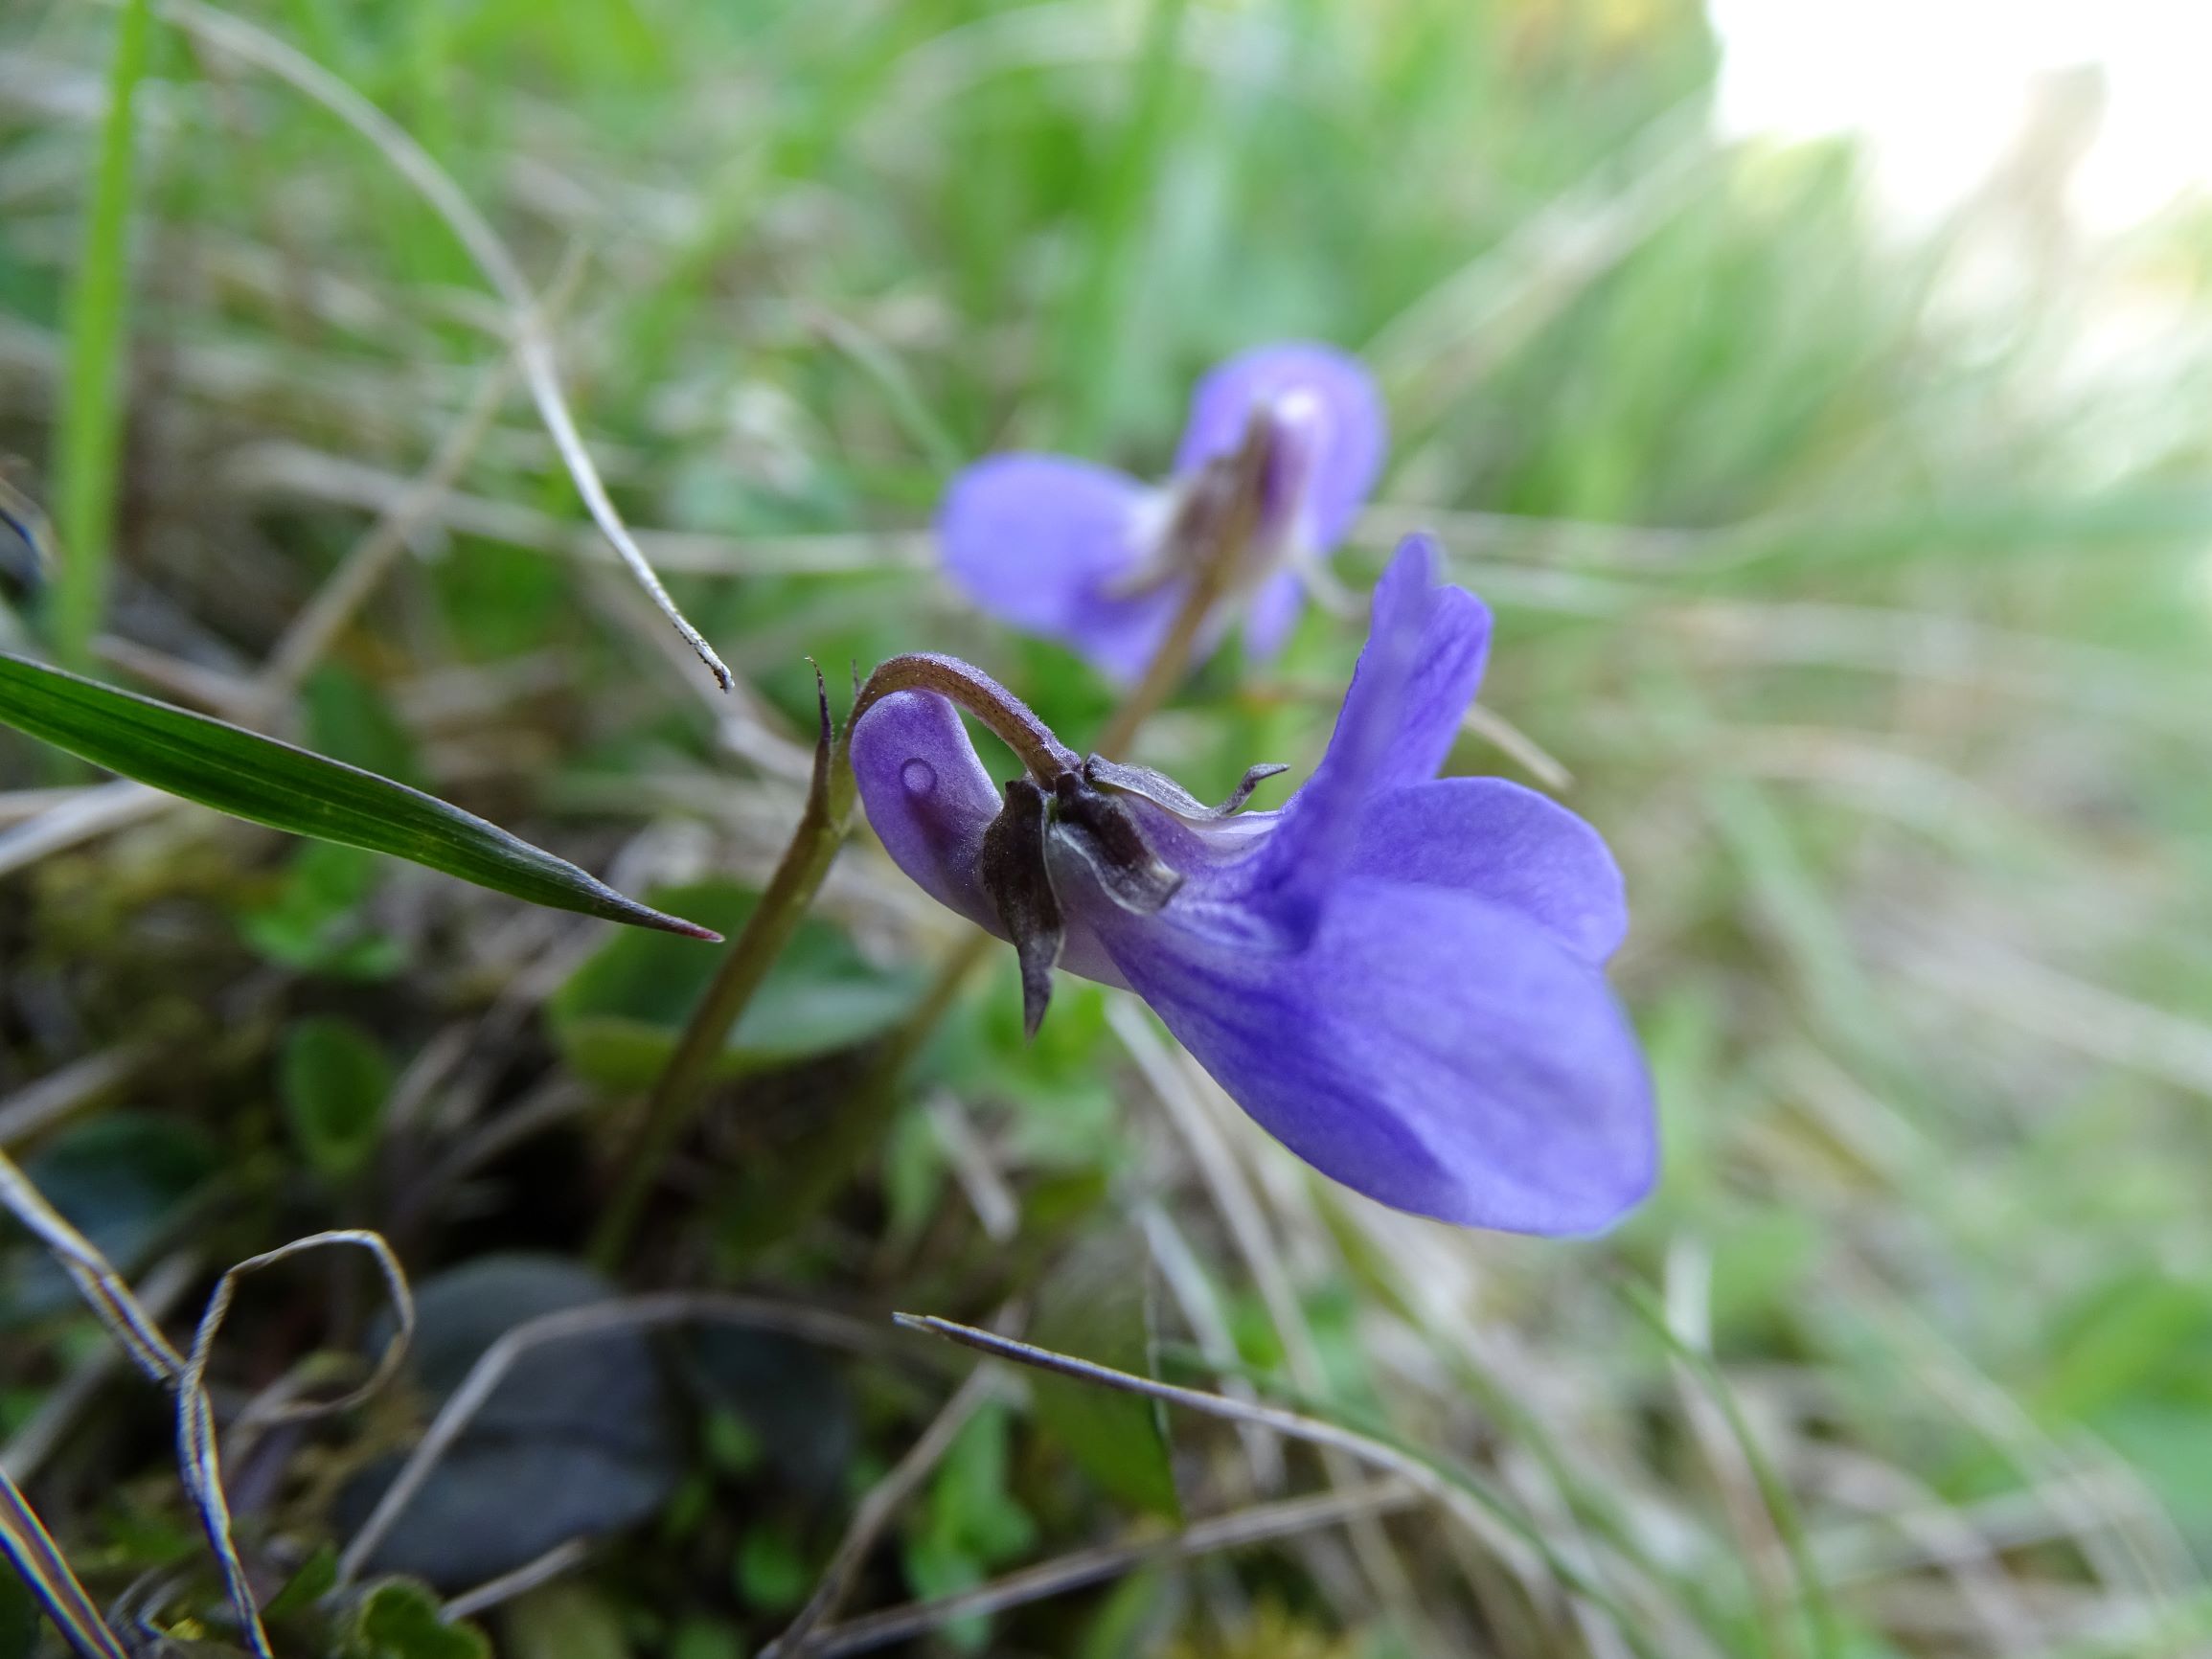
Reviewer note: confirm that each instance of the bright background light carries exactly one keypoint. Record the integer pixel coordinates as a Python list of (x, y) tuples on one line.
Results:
[(1940, 88)]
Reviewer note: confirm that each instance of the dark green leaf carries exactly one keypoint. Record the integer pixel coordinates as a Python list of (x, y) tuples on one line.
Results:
[(257, 778), (336, 1081), (578, 1439), (1095, 1303), (124, 1181)]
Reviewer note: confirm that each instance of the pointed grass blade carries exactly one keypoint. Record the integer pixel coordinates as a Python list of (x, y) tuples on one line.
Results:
[(257, 777)]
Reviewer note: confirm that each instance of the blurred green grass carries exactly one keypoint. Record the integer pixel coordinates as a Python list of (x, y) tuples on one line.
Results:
[(1863, 593)]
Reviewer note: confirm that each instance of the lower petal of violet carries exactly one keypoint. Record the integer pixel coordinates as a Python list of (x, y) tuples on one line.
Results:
[(1050, 545), (1440, 1054)]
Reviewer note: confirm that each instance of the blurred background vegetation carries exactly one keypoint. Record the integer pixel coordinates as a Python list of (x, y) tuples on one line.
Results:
[(1855, 584)]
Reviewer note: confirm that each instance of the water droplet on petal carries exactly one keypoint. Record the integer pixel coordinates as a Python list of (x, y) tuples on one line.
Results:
[(918, 776)]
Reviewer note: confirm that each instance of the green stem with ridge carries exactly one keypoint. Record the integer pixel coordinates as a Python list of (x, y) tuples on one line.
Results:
[(681, 1086)]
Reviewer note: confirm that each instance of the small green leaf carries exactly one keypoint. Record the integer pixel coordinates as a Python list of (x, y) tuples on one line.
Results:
[(317, 1576), (401, 1619), (564, 1622), (336, 1081), (318, 920), (770, 1571), (1095, 1305), (618, 1019), (257, 778)]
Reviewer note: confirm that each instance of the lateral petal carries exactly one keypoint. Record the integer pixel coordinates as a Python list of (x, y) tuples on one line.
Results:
[(1501, 842), (1044, 543)]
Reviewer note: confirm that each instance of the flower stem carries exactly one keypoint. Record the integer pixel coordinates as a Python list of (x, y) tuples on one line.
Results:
[(681, 1086), (1227, 532)]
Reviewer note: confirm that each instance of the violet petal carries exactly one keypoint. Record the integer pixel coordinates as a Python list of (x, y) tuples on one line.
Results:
[(1438, 1053), (1353, 428), (1424, 660), (1046, 543), (931, 802), (1511, 846)]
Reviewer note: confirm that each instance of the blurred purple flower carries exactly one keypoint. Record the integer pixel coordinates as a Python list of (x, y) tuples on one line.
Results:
[(1089, 556), (1399, 976)]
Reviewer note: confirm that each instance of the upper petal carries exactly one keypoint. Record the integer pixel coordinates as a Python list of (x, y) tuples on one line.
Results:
[(1040, 541), (1419, 671), (1439, 1053), (1501, 842), (1351, 430)]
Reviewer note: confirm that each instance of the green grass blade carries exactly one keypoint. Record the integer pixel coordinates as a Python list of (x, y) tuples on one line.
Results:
[(257, 777), (91, 436)]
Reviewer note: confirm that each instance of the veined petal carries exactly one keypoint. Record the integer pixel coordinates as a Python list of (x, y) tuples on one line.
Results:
[(931, 802), (1047, 543), (1350, 429), (1424, 660), (1503, 843), (1439, 1053)]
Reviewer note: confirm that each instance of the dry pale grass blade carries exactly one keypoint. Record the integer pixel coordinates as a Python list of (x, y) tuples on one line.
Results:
[(1945, 649), (157, 1295), (562, 1558), (2056, 1008), (311, 633), (101, 1285), (1460, 1494), (567, 1325), (876, 1511), (39, 1562), (533, 345), (198, 1451), (40, 1105), (1501, 734), (1263, 1523), (1179, 1090), (1581, 542), (86, 814), (281, 469), (1453, 336)]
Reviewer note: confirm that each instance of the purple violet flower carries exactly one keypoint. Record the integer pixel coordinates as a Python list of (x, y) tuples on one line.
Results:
[(1399, 976), (1081, 553)]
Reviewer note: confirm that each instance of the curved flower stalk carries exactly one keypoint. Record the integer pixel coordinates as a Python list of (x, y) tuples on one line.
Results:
[(1399, 976), (1081, 553)]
